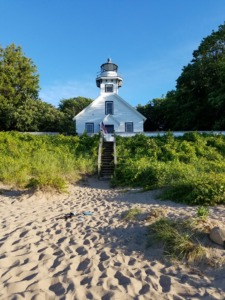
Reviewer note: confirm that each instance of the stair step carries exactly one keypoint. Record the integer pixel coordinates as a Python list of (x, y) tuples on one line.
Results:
[(107, 161)]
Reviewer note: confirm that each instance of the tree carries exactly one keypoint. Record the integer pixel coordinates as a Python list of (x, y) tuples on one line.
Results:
[(36, 115), (19, 83), (153, 115), (201, 86), (71, 107), (198, 103)]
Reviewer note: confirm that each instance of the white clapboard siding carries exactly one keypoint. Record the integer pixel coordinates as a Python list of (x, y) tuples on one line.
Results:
[(123, 112)]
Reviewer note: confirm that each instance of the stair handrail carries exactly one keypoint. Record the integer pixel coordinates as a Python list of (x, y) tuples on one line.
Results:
[(100, 154), (114, 150)]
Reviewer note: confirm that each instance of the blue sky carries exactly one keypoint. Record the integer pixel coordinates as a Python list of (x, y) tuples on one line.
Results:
[(68, 40)]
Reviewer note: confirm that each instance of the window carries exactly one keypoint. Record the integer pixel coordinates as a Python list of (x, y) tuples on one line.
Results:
[(129, 127), (109, 88), (109, 107), (89, 127)]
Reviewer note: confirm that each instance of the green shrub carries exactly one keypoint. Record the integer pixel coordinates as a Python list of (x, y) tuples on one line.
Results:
[(46, 182), (206, 189), (41, 161), (192, 167)]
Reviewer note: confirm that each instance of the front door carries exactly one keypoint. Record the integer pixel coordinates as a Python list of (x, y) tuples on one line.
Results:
[(109, 128)]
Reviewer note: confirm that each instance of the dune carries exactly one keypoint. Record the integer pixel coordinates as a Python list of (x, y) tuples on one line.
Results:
[(96, 255)]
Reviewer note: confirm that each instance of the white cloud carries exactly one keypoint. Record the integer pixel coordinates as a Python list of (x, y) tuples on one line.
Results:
[(59, 90)]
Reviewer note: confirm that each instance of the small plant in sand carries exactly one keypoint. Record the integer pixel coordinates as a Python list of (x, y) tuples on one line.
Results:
[(202, 212), (156, 213), (132, 214), (179, 238)]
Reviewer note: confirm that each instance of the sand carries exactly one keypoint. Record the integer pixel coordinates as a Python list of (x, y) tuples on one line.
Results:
[(44, 256)]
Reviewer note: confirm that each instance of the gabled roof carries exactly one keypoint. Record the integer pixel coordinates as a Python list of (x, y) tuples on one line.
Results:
[(106, 96), (86, 108), (110, 117), (131, 107)]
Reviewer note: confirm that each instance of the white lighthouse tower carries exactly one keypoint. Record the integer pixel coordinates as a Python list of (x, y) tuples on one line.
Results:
[(108, 79)]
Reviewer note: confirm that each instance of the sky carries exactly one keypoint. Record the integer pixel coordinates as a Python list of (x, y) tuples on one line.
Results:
[(68, 40)]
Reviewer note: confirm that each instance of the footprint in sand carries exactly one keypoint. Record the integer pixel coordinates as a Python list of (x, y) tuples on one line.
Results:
[(86, 242), (131, 261), (30, 277), (83, 265), (61, 240), (23, 233), (57, 288), (81, 250), (122, 279), (101, 267), (86, 280), (165, 282), (104, 256), (145, 289)]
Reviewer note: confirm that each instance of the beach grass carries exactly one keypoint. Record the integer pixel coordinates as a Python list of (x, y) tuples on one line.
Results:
[(179, 237), (132, 214)]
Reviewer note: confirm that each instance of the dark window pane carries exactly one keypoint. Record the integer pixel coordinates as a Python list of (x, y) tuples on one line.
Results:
[(90, 127), (109, 107), (109, 88), (129, 127)]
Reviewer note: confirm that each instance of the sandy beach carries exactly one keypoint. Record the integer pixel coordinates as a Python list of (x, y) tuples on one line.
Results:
[(97, 256)]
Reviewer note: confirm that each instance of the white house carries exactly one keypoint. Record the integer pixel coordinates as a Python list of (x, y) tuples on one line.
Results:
[(109, 111)]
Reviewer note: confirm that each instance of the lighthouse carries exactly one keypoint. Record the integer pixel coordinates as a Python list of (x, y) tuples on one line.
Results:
[(109, 111), (108, 79)]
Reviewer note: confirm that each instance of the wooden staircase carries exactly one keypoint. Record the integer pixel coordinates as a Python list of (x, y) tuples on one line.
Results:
[(107, 160)]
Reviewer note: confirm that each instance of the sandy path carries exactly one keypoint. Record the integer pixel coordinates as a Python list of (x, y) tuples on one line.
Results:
[(44, 256)]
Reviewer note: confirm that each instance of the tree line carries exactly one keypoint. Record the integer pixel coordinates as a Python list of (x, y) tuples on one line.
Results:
[(197, 102)]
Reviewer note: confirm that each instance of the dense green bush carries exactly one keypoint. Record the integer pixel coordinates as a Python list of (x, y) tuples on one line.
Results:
[(43, 161), (191, 167), (204, 189)]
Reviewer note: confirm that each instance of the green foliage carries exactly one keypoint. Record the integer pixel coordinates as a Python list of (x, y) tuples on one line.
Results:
[(36, 115), (46, 182), (132, 214), (179, 238), (70, 108), (19, 83), (204, 189), (46, 161), (191, 168), (154, 120), (202, 212), (20, 108)]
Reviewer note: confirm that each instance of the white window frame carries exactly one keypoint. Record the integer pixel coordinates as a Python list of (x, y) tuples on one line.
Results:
[(127, 124), (92, 127), (109, 110), (109, 88)]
